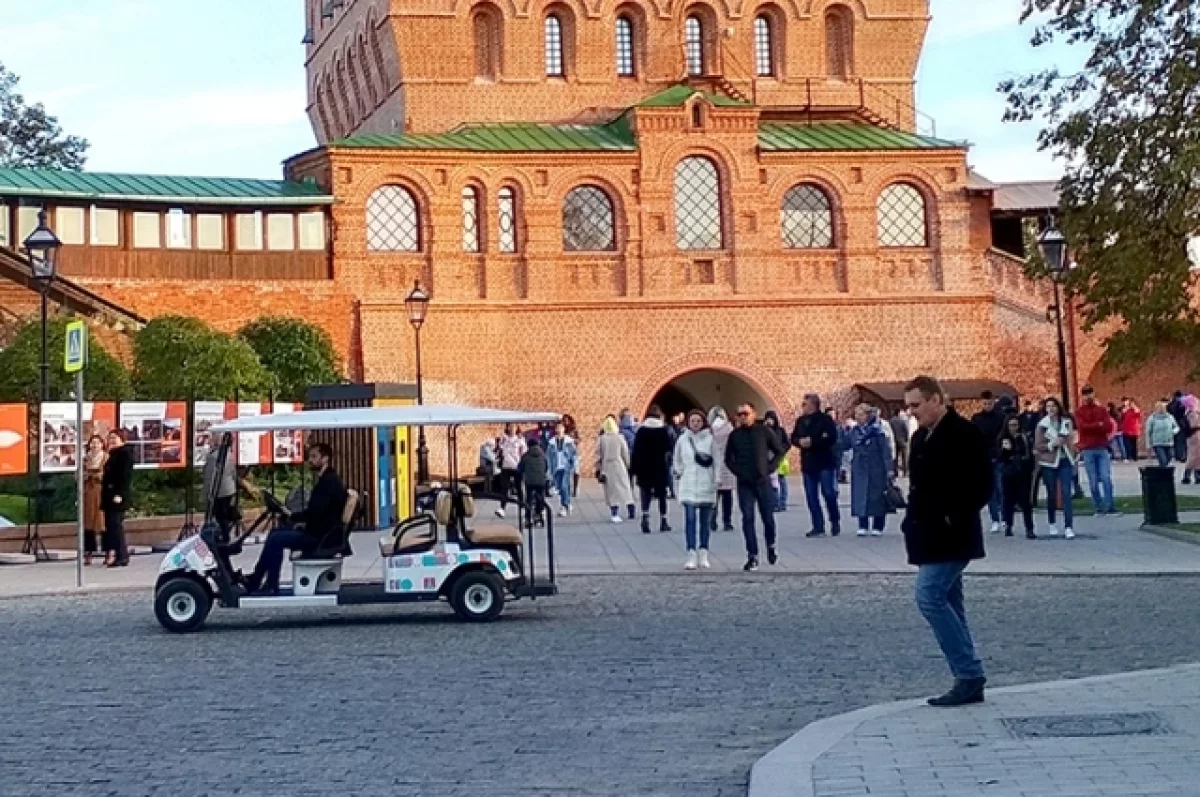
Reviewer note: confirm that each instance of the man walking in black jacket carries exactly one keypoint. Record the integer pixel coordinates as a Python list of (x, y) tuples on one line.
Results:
[(991, 422), (951, 480), (651, 449), (816, 435), (752, 455)]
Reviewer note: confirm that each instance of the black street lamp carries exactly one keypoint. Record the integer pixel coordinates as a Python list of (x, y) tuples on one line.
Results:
[(42, 247), (417, 305), (1053, 245)]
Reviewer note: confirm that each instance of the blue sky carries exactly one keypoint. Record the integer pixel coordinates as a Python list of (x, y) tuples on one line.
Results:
[(216, 87)]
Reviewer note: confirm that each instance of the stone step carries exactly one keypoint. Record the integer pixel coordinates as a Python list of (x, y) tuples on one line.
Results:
[(60, 555), (17, 559)]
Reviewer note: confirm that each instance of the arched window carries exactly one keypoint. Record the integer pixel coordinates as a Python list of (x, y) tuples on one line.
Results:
[(487, 42), (839, 42), (377, 54), (337, 127), (693, 45), (555, 63), (764, 47), (506, 219), (356, 85), (345, 101), (901, 216), (626, 60), (471, 240), (364, 62), (393, 221), (807, 219), (589, 224), (322, 110), (698, 205)]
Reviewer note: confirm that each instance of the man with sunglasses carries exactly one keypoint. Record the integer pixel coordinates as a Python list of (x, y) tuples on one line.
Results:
[(752, 455)]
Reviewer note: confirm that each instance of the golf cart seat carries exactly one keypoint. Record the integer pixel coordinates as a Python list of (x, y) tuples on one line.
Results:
[(412, 535), (319, 571), (486, 535)]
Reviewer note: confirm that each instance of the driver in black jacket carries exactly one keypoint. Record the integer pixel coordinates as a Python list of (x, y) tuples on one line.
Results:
[(321, 518)]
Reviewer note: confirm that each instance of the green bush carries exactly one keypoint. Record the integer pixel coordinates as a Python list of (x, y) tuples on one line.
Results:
[(177, 357), (20, 379), (298, 354)]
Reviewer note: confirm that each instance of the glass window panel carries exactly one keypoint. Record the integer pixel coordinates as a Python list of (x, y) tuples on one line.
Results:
[(393, 224), (554, 47), (693, 36), (901, 217), (179, 229), (470, 219), (588, 221), (807, 218), (763, 56), (698, 205), (506, 203), (625, 59), (312, 231), (106, 226), (147, 231), (210, 231), (4, 211), (27, 222), (249, 231), (68, 225), (281, 232)]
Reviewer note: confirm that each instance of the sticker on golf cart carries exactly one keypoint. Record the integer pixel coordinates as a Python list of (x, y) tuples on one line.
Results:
[(425, 572)]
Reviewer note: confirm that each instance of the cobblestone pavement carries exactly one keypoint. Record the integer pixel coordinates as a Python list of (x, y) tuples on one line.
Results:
[(621, 686)]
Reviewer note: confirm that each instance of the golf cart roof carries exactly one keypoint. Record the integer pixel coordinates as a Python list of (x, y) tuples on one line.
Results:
[(378, 417)]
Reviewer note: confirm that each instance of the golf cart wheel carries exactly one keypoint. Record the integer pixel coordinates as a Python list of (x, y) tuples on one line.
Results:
[(478, 596), (182, 605)]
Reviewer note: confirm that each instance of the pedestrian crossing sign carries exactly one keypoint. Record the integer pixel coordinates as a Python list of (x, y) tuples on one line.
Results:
[(75, 355)]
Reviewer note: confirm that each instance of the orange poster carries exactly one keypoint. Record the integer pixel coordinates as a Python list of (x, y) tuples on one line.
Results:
[(61, 436), (14, 439)]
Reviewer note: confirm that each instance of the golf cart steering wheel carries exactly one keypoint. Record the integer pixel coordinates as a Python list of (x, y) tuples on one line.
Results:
[(273, 505)]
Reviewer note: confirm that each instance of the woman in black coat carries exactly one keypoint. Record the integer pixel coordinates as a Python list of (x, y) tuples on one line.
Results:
[(115, 496)]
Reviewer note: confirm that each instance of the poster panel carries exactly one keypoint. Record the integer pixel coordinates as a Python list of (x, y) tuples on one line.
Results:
[(60, 438), (205, 415), (154, 432), (288, 446), (14, 439), (254, 448)]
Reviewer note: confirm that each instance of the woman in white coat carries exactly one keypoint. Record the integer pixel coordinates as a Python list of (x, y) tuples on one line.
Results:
[(718, 421), (612, 469), (696, 466)]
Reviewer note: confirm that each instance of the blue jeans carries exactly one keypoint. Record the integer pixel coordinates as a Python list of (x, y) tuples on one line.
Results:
[(691, 514), (1062, 476), (1098, 463), (996, 502), (816, 485), (562, 483), (270, 561), (1163, 455), (781, 495), (940, 598)]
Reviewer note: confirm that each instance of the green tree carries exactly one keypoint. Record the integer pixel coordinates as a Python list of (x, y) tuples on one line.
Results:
[(298, 354), (29, 137), (178, 357), (1127, 126), (20, 378)]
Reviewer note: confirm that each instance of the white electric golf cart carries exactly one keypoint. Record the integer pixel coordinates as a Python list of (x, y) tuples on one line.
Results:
[(440, 553)]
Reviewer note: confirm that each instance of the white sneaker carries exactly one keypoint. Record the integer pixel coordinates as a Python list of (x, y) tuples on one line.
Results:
[(995, 527), (704, 563), (615, 519), (563, 512), (500, 513), (1069, 533), (691, 561), (862, 532), (571, 510), (1052, 531), (876, 533)]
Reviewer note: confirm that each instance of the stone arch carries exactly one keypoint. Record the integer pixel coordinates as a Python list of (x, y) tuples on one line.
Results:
[(487, 39), (814, 7), (375, 177), (765, 383), (510, 10), (726, 159), (839, 38)]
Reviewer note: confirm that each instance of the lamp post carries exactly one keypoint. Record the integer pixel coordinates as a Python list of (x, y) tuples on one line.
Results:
[(1053, 245), (42, 247), (417, 304)]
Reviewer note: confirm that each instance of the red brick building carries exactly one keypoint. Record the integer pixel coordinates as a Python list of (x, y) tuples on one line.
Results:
[(609, 201)]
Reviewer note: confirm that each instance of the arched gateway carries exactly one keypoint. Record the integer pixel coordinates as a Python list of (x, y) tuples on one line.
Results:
[(703, 381)]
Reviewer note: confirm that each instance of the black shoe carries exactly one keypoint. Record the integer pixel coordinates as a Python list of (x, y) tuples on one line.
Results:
[(1008, 531), (727, 527), (964, 692), (632, 515), (645, 525), (751, 565), (1187, 480), (1029, 535), (835, 530), (815, 533), (664, 525), (772, 557)]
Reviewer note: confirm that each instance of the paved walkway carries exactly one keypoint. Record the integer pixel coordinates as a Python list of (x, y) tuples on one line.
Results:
[(587, 543), (1129, 735)]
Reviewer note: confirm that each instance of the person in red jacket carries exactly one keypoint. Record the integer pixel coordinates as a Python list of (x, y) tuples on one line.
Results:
[(1095, 427), (1131, 427)]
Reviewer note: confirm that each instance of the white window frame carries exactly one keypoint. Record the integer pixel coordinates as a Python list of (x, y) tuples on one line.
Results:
[(4, 222), (141, 228), (69, 225), (281, 232), (104, 220), (27, 221), (179, 229), (206, 224), (311, 236), (256, 232)]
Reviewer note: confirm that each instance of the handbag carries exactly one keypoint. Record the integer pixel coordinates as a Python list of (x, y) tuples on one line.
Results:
[(600, 477), (893, 496), (703, 460)]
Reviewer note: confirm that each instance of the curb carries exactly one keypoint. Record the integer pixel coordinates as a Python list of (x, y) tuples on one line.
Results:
[(787, 770), (69, 592), (1173, 534)]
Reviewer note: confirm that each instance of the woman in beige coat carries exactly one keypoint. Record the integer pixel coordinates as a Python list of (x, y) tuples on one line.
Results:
[(612, 469), (93, 518)]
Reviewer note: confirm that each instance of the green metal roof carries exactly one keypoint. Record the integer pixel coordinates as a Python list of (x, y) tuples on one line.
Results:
[(678, 95), (827, 136), (615, 136), (60, 184)]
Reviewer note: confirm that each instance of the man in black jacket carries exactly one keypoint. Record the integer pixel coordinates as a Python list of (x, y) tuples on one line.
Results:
[(816, 435), (322, 517), (991, 422), (648, 460), (951, 481), (752, 455), (115, 489)]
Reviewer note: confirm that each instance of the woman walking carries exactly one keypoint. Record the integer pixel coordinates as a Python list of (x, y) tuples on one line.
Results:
[(1016, 475), (718, 421), (612, 469), (115, 488), (93, 516), (1054, 447), (1161, 428), (695, 466), (1192, 466), (871, 471)]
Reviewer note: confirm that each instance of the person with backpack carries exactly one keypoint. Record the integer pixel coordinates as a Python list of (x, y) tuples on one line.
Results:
[(535, 476)]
